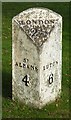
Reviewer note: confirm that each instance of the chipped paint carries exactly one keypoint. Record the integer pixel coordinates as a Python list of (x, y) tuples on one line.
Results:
[(36, 56)]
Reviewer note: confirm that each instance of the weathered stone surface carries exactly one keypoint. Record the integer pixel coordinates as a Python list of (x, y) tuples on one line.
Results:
[(36, 56)]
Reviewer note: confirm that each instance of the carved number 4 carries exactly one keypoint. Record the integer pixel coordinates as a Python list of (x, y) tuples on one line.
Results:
[(26, 80), (51, 78)]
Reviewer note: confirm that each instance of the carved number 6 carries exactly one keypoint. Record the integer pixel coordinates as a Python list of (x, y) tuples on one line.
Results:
[(51, 78)]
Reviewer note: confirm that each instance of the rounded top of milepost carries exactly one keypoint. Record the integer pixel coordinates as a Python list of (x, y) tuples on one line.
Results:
[(37, 23)]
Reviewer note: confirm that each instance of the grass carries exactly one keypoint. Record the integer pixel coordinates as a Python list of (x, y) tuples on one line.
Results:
[(11, 109)]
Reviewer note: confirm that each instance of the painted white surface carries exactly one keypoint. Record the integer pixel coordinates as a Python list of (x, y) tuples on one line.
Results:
[(32, 52)]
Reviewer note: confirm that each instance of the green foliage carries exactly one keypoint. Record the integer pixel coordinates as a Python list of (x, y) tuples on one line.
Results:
[(11, 109)]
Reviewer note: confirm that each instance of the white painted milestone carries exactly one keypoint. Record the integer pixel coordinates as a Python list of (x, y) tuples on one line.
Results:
[(36, 56)]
